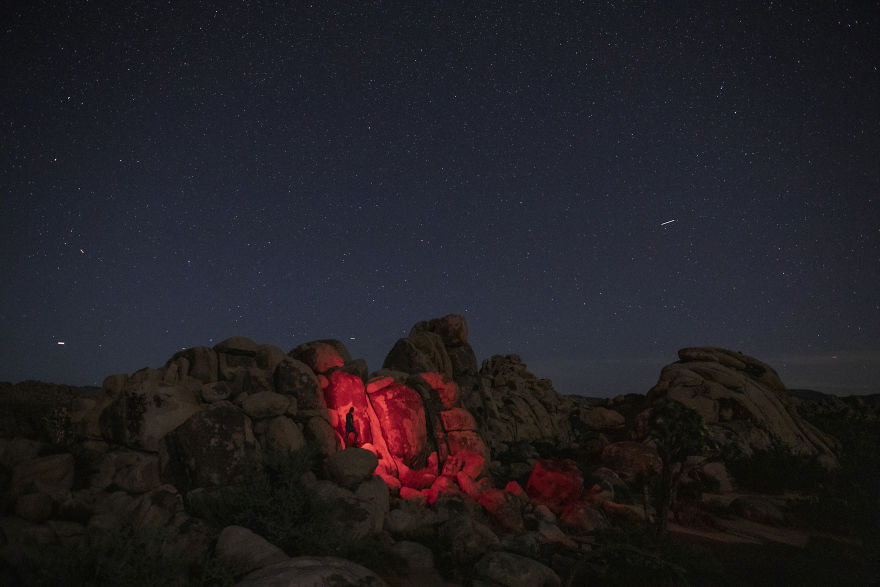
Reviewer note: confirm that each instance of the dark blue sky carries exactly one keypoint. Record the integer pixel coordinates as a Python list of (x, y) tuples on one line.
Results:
[(174, 174)]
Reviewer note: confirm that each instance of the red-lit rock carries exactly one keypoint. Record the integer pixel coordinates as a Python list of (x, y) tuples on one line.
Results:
[(504, 508), (391, 481), (410, 493), (401, 416), (515, 489), (443, 485), (468, 485), (457, 419), (420, 478), (555, 483), (466, 440), (345, 391), (467, 461), (445, 387), (379, 383)]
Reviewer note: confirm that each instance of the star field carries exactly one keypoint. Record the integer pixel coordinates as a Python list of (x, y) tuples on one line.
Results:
[(175, 174)]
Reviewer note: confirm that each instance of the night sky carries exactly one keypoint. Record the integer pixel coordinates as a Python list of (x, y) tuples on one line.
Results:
[(592, 187)]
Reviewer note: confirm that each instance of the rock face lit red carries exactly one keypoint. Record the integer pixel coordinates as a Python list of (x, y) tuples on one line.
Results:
[(401, 416), (345, 391), (555, 483)]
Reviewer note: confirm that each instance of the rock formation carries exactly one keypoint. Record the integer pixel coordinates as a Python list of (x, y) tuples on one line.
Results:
[(742, 401), (443, 455)]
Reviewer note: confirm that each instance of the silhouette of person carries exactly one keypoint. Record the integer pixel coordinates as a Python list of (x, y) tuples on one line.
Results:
[(350, 429)]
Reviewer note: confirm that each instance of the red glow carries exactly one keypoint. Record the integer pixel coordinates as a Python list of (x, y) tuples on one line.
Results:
[(401, 417), (443, 485), (457, 419), (445, 387), (465, 461), (555, 483), (514, 488), (345, 391), (468, 485), (466, 440)]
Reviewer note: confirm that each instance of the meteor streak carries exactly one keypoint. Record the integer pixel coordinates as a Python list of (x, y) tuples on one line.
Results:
[(667, 222)]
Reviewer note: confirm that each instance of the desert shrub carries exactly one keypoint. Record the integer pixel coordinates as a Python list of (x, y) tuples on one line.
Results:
[(291, 515), (775, 470), (275, 504), (122, 557)]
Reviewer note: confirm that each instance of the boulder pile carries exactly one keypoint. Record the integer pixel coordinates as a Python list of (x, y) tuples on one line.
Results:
[(441, 463)]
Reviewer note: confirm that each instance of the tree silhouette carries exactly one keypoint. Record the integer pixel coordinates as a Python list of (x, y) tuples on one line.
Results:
[(678, 433)]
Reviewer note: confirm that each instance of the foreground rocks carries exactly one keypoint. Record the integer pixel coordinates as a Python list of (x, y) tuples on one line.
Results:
[(449, 467)]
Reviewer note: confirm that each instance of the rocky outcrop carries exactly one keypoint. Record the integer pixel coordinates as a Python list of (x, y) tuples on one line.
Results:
[(449, 462), (742, 401)]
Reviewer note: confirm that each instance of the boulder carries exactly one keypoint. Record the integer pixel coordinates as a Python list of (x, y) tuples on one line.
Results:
[(265, 404), (375, 499), (584, 518), (351, 466), (452, 329), (269, 357), (134, 472), (201, 361), (519, 406), (154, 509), (504, 508), (280, 434), (742, 401), (555, 483), (410, 520), (215, 391), (467, 539), (295, 378), (319, 432), (140, 416), (467, 441), (245, 551), (51, 474), (312, 570), (401, 416), (213, 447), (446, 389), (321, 355), (457, 419), (420, 352), (513, 570)]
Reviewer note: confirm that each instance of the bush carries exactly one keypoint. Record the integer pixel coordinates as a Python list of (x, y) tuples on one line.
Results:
[(121, 557), (274, 504), (775, 470)]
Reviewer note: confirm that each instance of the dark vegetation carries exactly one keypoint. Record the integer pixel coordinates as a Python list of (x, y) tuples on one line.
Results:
[(123, 557), (275, 504)]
